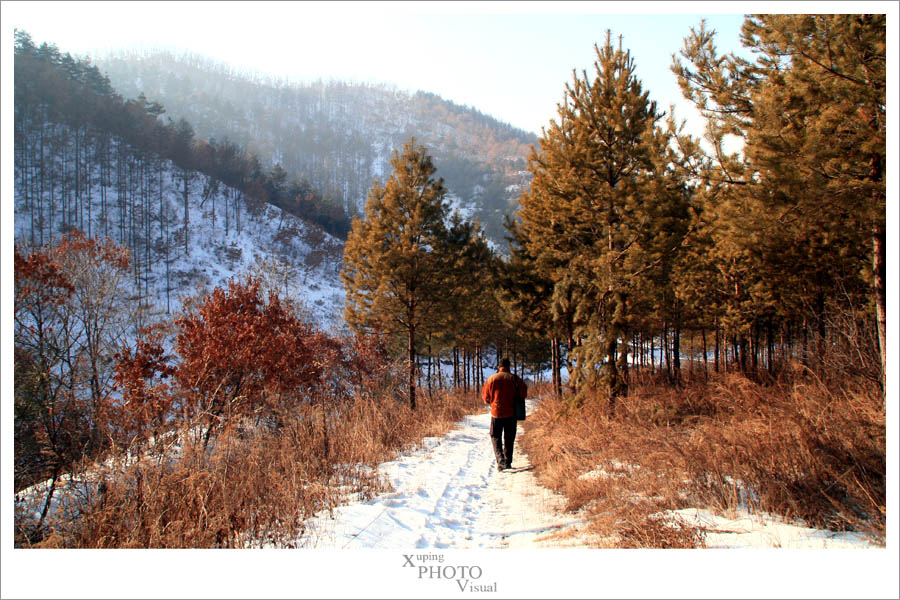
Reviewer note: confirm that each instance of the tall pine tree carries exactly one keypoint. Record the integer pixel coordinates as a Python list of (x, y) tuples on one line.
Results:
[(603, 174), (397, 259), (811, 112)]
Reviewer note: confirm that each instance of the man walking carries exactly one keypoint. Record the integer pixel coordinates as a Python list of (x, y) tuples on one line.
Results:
[(500, 391)]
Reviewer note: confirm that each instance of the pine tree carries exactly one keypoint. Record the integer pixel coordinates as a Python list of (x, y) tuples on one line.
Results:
[(468, 313), (182, 143), (811, 112), (397, 258), (602, 170), (525, 292)]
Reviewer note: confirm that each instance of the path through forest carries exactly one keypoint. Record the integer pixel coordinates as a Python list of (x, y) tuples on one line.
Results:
[(449, 494)]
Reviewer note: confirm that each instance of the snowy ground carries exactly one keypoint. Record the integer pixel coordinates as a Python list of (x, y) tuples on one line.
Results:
[(746, 530), (450, 509), (449, 495)]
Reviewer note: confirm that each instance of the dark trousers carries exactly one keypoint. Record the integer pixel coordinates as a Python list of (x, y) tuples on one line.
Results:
[(503, 437)]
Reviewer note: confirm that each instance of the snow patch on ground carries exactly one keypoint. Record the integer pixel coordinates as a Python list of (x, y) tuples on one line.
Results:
[(746, 530), (449, 494), (614, 470)]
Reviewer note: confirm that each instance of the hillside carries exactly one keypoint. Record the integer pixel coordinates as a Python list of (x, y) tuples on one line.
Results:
[(85, 160), (224, 239), (337, 136)]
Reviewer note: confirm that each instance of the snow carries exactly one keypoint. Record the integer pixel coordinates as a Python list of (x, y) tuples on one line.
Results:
[(449, 494), (619, 469), (465, 208), (307, 259), (746, 530)]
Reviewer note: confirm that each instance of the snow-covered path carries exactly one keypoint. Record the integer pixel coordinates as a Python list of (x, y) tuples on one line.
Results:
[(449, 494)]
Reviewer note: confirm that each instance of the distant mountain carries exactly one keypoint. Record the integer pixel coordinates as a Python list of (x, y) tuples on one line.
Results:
[(336, 137), (233, 182)]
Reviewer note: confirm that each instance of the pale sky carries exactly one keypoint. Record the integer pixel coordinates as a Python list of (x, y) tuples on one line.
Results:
[(508, 60)]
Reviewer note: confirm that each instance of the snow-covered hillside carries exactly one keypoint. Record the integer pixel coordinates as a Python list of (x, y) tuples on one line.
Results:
[(225, 239), (338, 136)]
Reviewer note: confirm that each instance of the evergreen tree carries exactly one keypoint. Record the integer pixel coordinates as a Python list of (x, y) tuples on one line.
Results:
[(602, 175), (466, 319), (397, 258), (525, 292), (811, 112)]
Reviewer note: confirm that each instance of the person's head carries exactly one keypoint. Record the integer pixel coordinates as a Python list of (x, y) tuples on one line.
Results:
[(504, 363)]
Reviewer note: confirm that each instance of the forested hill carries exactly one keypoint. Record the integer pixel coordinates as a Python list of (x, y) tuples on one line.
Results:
[(191, 214), (336, 136)]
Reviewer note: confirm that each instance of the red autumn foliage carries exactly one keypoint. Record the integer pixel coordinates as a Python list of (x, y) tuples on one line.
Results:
[(147, 402), (366, 360), (241, 354), (76, 247), (38, 279)]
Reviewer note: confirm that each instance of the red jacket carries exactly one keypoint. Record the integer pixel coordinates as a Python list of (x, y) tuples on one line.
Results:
[(499, 391)]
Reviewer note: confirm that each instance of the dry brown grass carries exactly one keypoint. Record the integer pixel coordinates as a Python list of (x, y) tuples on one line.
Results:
[(255, 483), (799, 448)]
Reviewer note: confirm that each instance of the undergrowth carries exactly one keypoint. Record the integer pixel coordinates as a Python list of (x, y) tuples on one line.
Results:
[(252, 485), (800, 447)]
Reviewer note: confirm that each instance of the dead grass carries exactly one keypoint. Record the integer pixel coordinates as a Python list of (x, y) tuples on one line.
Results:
[(255, 483), (798, 448)]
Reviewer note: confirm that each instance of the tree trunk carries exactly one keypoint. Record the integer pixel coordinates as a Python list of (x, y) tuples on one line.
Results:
[(804, 355), (557, 368), (569, 353), (717, 345), (430, 390), (479, 374), (691, 353), (49, 499), (705, 357), (665, 348), (186, 213), (742, 349), (412, 365), (755, 354), (676, 344), (820, 329), (725, 353), (880, 268), (622, 358)]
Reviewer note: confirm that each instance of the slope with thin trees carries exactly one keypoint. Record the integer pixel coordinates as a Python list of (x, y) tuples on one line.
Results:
[(75, 133), (336, 136)]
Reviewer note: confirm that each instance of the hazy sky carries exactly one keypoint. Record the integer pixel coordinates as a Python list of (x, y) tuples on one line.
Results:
[(510, 60)]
